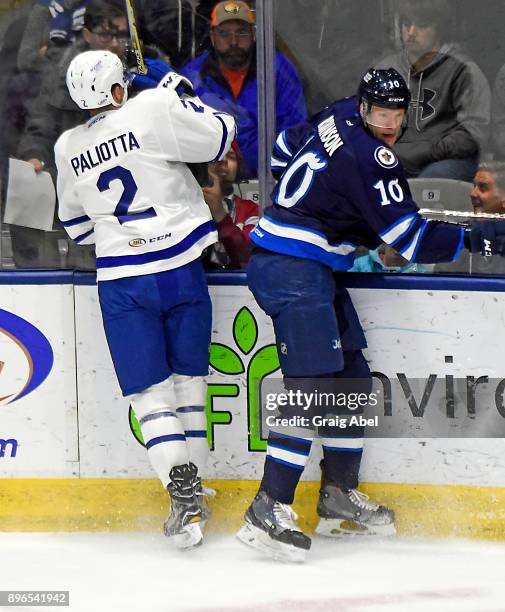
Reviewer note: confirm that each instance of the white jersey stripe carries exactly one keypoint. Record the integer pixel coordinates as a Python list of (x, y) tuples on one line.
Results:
[(399, 229), (409, 251), (283, 145), (305, 235), (277, 163)]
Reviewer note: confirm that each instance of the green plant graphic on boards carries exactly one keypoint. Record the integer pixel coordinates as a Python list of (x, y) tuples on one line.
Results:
[(226, 360)]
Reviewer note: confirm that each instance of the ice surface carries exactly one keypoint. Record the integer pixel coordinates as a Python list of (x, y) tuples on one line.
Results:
[(141, 572)]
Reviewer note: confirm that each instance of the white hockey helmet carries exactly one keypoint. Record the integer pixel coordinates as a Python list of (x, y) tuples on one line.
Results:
[(91, 76)]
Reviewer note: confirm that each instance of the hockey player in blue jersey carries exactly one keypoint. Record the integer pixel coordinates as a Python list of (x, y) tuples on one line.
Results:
[(340, 186)]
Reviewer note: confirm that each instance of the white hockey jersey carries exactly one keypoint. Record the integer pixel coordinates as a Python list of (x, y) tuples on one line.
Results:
[(123, 184)]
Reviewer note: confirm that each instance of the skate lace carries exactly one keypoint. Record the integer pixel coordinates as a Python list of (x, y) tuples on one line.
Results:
[(362, 500), (285, 516), (206, 491)]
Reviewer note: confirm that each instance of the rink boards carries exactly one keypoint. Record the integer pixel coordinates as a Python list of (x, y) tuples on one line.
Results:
[(70, 455)]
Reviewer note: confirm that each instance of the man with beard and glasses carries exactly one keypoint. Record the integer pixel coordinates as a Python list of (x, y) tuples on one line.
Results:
[(225, 77), (235, 216)]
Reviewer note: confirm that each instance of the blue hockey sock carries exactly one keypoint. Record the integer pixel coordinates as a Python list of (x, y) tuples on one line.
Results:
[(284, 465), (342, 460)]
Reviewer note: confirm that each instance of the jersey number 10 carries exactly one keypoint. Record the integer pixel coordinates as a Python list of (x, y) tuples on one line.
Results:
[(393, 189)]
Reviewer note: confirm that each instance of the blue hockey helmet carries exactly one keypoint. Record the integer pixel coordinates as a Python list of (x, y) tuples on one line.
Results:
[(384, 87)]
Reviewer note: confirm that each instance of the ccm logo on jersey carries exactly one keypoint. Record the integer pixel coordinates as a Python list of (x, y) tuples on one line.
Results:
[(158, 238), (137, 242), (385, 157)]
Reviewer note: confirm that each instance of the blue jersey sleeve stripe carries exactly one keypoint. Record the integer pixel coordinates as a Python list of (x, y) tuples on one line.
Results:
[(82, 237), (277, 163), (282, 145), (397, 230), (135, 260), (409, 251), (223, 139), (459, 248), (75, 221)]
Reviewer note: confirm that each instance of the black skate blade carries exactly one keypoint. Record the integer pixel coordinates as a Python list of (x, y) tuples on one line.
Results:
[(279, 551), (341, 528)]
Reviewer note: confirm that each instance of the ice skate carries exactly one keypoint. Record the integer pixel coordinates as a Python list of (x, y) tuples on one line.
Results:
[(184, 524), (351, 513), (270, 528)]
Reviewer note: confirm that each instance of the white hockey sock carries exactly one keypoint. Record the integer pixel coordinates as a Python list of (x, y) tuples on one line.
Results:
[(162, 430), (190, 397)]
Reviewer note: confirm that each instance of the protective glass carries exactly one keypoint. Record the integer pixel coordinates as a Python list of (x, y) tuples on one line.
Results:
[(107, 37)]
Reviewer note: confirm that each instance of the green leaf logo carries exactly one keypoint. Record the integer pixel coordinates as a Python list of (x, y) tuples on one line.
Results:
[(245, 330), (135, 427), (225, 360)]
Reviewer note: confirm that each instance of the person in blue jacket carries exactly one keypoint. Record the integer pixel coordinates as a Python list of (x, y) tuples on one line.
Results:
[(225, 77)]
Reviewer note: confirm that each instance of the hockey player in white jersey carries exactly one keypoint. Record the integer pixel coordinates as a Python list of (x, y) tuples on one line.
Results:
[(124, 184)]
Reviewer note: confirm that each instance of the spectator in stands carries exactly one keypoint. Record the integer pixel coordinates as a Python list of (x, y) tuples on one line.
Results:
[(15, 87), (225, 77), (51, 26), (105, 27), (450, 109), (488, 196), (498, 115), (235, 217), (180, 28), (488, 193)]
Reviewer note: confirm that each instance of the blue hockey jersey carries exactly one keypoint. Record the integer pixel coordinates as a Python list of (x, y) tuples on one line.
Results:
[(339, 188)]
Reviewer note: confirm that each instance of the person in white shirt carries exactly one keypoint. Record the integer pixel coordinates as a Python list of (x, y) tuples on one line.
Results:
[(124, 184)]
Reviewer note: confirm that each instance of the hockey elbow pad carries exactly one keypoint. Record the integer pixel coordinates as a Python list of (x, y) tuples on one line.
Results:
[(173, 80)]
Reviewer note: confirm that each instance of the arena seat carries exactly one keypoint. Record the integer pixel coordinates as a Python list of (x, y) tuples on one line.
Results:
[(444, 194)]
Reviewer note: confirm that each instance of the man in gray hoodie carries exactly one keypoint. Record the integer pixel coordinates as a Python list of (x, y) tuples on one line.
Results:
[(450, 110)]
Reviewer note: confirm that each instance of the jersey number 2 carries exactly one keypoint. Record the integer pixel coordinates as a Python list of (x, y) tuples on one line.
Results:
[(118, 173)]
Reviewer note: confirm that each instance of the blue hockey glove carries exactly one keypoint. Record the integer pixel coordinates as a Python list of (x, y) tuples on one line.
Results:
[(487, 238), (156, 70)]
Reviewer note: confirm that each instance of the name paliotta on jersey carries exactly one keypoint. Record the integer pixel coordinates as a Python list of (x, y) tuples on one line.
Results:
[(101, 153)]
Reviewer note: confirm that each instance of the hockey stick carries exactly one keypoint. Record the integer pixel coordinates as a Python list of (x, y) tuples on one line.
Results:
[(461, 214), (134, 38)]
